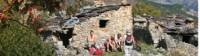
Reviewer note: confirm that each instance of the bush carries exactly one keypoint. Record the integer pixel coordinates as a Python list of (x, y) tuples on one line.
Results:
[(141, 7), (17, 40)]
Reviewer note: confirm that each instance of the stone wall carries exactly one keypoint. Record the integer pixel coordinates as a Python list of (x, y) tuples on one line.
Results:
[(119, 21), (156, 32)]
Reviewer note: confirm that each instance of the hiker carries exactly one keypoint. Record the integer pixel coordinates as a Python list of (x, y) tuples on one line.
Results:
[(110, 44), (128, 43), (91, 39), (106, 45), (119, 42)]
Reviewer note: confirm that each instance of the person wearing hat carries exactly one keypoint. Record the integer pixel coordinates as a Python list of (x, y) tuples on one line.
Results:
[(128, 43)]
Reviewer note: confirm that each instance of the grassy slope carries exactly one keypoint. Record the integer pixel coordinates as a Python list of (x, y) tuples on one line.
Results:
[(169, 9), (113, 54), (156, 9), (141, 7)]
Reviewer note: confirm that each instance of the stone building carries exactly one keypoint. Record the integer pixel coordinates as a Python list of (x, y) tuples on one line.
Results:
[(106, 18), (110, 17), (178, 34), (106, 24)]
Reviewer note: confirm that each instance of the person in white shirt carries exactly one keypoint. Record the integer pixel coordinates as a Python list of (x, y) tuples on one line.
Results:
[(128, 43)]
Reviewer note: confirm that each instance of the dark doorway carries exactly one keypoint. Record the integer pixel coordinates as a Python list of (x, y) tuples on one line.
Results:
[(46, 34), (186, 39), (190, 40), (65, 37), (102, 23), (162, 44), (143, 35)]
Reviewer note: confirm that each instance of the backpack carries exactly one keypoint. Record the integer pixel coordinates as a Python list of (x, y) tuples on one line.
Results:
[(128, 40), (92, 50), (98, 52)]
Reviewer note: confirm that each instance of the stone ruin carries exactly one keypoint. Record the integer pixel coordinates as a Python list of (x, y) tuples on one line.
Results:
[(182, 26), (105, 18), (173, 33), (113, 19)]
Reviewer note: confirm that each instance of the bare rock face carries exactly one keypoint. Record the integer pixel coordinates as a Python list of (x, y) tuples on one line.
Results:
[(170, 42), (187, 49), (177, 41), (156, 32)]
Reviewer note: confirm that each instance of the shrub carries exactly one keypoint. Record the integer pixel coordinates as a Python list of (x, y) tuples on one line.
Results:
[(141, 7), (17, 40)]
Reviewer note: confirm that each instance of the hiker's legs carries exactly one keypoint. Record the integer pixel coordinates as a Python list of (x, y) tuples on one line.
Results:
[(130, 50), (127, 50), (117, 44), (113, 47), (110, 48), (91, 44), (120, 46), (107, 46)]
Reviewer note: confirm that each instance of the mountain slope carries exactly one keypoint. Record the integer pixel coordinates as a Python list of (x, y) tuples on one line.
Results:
[(187, 4), (171, 9)]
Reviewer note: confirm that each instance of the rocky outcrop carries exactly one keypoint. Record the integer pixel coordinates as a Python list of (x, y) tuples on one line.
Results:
[(186, 49), (156, 32), (140, 22), (174, 40), (192, 4)]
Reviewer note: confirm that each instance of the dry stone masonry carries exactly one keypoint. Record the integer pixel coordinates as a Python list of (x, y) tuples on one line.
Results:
[(108, 18), (115, 21), (105, 19)]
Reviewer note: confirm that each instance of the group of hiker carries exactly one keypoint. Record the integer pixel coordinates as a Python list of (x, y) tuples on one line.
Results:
[(112, 44)]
